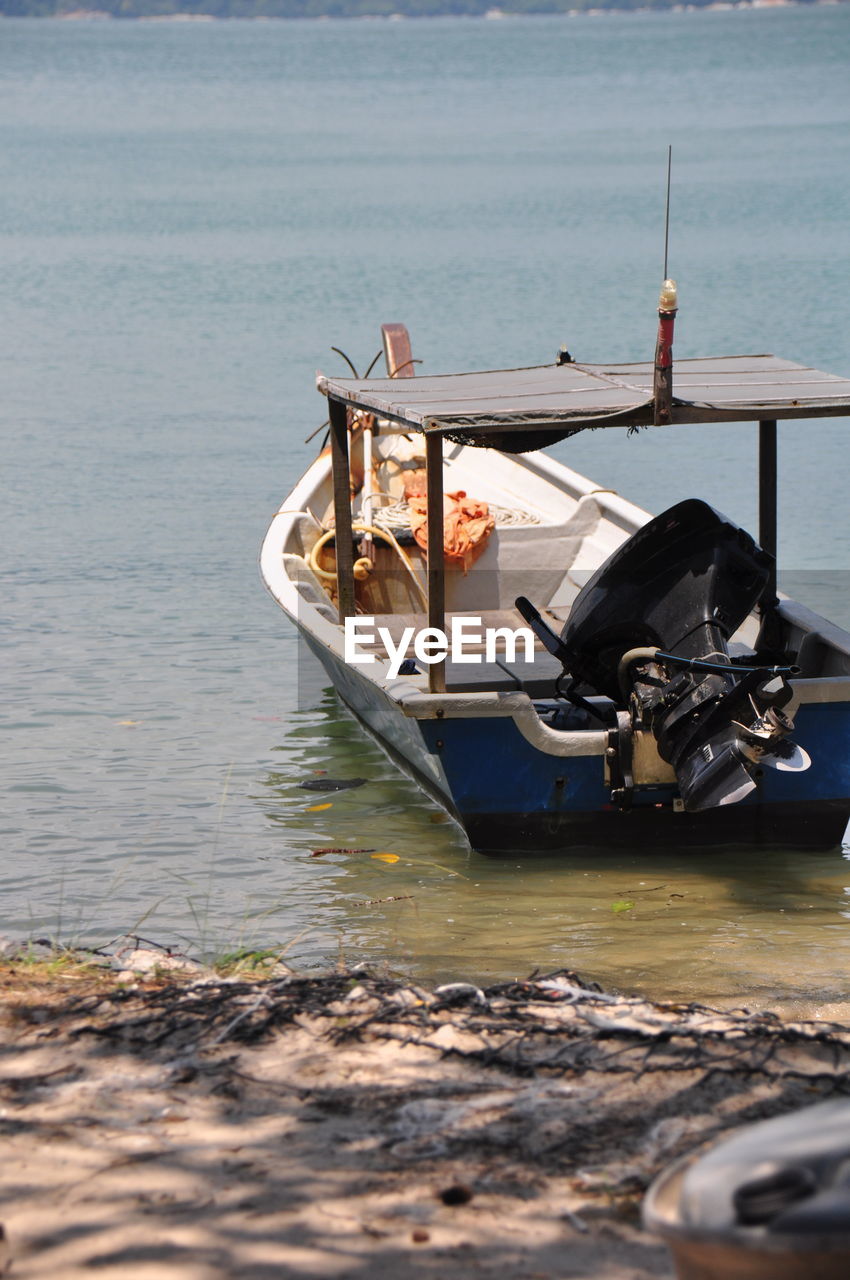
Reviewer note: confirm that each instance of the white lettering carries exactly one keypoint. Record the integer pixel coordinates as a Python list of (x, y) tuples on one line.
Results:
[(459, 636), (395, 653), (350, 652), (431, 645), (429, 640), (493, 635)]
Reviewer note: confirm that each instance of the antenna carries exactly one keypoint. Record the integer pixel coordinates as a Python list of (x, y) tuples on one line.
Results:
[(667, 215)]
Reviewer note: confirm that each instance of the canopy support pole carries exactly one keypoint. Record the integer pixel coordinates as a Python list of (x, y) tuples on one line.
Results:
[(436, 555), (767, 496), (342, 509)]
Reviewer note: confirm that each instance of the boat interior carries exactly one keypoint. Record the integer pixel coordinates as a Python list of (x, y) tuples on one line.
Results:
[(552, 529)]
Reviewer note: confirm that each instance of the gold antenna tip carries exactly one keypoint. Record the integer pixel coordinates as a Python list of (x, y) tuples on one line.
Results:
[(668, 299)]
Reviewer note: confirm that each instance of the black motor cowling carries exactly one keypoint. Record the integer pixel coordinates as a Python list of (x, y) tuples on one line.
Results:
[(683, 583), (651, 629)]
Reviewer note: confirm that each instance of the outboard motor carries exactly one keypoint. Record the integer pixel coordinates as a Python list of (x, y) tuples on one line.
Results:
[(650, 631)]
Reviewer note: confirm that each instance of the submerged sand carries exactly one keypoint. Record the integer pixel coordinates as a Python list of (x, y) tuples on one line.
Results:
[(354, 1125)]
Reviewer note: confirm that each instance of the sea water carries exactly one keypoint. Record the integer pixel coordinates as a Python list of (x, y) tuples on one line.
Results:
[(191, 215)]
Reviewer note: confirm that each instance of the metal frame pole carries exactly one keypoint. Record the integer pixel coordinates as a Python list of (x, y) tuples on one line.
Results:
[(767, 493), (342, 509), (436, 557)]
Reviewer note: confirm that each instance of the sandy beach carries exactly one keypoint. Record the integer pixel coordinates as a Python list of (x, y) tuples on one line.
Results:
[(349, 1124)]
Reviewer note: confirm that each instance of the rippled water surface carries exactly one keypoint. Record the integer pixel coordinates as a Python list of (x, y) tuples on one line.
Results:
[(190, 216)]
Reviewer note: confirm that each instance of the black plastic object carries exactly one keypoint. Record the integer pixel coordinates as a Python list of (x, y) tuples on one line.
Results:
[(547, 637), (763, 1199), (682, 584), (772, 1201)]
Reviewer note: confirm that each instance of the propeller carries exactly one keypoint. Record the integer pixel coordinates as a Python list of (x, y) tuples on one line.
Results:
[(788, 757)]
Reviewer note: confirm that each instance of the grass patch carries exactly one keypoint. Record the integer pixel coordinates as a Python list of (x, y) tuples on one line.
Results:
[(48, 973), (251, 962)]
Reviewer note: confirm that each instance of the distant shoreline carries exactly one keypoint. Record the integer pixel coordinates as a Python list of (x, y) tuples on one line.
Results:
[(183, 17)]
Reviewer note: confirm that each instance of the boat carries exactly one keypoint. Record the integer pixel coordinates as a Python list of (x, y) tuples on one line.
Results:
[(558, 668)]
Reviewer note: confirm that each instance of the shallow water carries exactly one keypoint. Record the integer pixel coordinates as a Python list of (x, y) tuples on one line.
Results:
[(191, 215)]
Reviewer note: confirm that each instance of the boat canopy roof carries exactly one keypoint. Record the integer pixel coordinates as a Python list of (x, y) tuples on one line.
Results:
[(521, 409)]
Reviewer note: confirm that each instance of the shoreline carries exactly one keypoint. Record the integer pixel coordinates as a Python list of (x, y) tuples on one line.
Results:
[(492, 14), (186, 1124)]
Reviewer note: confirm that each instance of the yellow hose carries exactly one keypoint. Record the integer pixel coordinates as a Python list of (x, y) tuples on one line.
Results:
[(327, 576)]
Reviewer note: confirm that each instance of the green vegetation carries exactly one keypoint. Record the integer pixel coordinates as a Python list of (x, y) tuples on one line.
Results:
[(42, 960)]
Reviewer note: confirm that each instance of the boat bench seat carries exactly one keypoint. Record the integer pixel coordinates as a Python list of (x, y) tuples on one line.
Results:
[(479, 677), (536, 678)]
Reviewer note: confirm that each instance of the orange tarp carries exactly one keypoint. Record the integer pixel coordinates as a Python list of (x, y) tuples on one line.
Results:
[(467, 522)]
